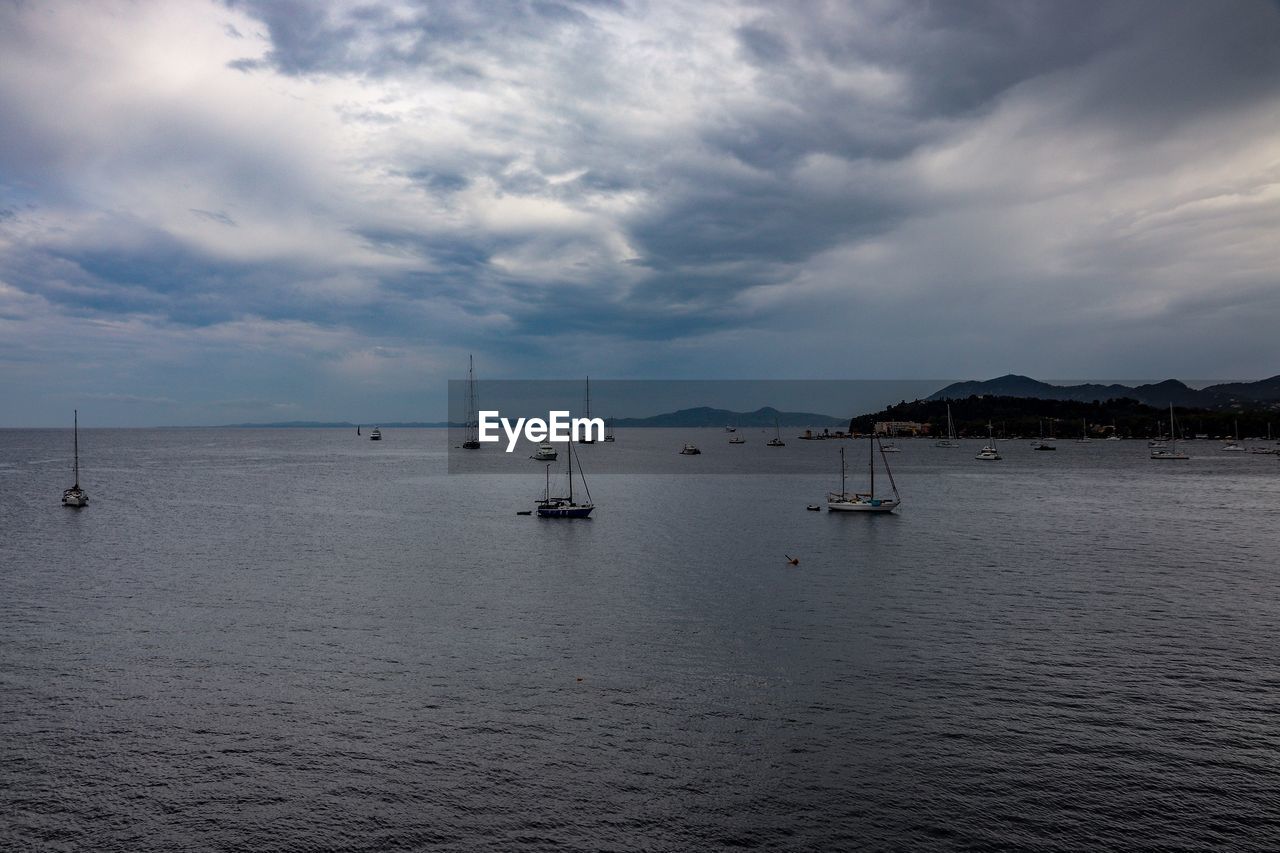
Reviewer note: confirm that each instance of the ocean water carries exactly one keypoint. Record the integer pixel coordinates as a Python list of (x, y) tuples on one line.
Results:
[(301, 640)]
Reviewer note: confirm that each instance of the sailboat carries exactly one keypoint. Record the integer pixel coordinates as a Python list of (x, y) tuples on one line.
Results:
[(586, 433), (608, 430), (76, 496), (357, 429), (471, 441), (565, 507), (1235, 446), (989, 453), (1042, 444), (1170, 452), (844, 501), (1084, 432), (950, 440), (1115, 435), (776, 441)]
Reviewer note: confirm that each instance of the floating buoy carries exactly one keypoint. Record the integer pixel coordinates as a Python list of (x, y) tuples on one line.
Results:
[(814, 508), (524, 512), (579, 677)]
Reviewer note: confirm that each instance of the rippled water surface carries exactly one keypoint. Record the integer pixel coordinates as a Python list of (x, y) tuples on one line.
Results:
[(301, 640)]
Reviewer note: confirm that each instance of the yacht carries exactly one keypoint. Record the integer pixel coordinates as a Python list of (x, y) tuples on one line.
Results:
[(546, 452), (1160, 451), (375, 435), (565, 507), (776, 441), (1234, 446), (989, 452), (472, 439), (690, 450), (890, 448), (737, 439), (950, 440), (75, 496), (608, 430), (845, 501)]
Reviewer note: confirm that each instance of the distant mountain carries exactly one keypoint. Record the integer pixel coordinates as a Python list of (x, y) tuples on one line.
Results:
[(704, 416), (1264, 393)]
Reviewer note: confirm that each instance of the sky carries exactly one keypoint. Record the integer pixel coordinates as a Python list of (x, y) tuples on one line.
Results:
[(216, 212)]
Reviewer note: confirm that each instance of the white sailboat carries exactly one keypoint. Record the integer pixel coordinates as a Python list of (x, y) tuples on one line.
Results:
[(1084, 432), (565, 507), (989, 453), (1234, 446), (776, 441), (471, 441), (608, 430), (75, 496), (845, 501), (1170, 452), (950, 440)]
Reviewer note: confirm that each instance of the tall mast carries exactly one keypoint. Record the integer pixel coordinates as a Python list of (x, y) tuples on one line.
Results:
[(843, 468), (871, 461), (587, 405), (571, 472), (76, 440)]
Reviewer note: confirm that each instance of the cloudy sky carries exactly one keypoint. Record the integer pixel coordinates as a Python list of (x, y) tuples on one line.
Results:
[(227, 211)]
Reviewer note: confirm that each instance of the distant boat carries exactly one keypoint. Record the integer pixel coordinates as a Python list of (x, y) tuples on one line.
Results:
[(1042, 444), (75, 496), (608, 430), (375, 435), (1234, 446), (845, 501), (989, 452), (586, 434), (776, 441), (690, 450), (357, 429), (737, 439), (950, 440), (546, 452), (730, 429), (1170, 452), (890, 448), (471, 441), (1084, 432), (565, 507)]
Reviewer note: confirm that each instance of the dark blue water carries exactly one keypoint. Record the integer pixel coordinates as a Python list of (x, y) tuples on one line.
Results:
[(299, 640)]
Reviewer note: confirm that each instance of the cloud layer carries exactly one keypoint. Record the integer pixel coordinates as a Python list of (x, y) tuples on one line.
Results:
[(323, 206)]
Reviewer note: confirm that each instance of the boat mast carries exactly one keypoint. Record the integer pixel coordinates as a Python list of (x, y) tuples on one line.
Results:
[(571, 472), (871, 461), (843, 468), (892, 483), (587, 402), (471, 399), (76, 441)]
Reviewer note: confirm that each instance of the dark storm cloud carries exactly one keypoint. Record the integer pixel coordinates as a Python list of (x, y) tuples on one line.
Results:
[(948, 180)]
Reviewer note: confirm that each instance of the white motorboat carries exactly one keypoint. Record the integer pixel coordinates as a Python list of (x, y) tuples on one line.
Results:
[(375, 435), (546, 452)]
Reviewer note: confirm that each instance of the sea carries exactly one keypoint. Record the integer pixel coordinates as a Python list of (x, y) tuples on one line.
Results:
[(302, 640)]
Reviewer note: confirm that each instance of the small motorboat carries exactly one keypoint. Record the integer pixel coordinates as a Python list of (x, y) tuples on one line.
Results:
[(737, 439), (690, 450), (375, 435), (546, 452)]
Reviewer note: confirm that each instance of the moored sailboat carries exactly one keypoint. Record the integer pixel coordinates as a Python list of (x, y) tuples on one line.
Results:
[(989, 452), (75, 496), (471, 441), (1170, 452), (950, 440), (565, 507), (846, 501)]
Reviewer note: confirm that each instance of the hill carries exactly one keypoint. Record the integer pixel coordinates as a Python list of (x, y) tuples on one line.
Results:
[(704, 416), (1264, 393)]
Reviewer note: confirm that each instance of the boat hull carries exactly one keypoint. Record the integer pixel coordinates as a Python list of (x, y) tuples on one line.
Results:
[(565, 511), (75, 498), (862, 506)]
